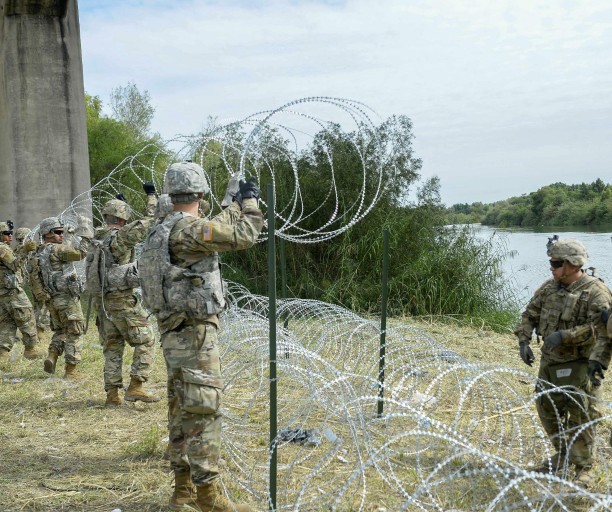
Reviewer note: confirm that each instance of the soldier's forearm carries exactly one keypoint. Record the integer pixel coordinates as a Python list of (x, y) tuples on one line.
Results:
[(579, 334)]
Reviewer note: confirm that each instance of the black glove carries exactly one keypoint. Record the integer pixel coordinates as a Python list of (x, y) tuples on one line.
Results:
[(554, 339), (605, 315), (249, 188), (121, 197), (526, 353), (596, 370), (149, 188)]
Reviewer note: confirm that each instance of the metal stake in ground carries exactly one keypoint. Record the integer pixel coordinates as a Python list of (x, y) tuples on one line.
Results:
[(383, 322)]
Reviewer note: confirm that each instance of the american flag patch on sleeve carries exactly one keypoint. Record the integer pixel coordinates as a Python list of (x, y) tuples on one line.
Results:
[(207, 233)]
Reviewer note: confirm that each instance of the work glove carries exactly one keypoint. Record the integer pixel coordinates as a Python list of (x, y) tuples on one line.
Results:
[(121, 197), (84, 227), (526, 353), (249, 188), (596, 370), (148, 187), (29, 245), (554, 339), (231, 191)]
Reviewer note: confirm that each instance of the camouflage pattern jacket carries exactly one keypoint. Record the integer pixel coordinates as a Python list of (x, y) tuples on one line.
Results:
[(602, 351), (10, 276), (575, 309), (123, 240), (194, 238), (52, 269)]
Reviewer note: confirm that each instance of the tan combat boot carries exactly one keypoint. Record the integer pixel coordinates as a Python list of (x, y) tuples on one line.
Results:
[(51, 360), (33, 352), (112, 398), (72, 373), (136, 392), (184, 496), (211, 499)]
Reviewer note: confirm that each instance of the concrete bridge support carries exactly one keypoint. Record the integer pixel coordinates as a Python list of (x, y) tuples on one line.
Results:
[(44, 161)]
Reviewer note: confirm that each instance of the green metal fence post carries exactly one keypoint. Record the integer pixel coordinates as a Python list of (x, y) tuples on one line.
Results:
[(272, 320), (383, 322)]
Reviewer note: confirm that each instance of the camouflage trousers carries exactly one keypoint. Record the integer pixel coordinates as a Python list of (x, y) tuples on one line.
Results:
[(194, 397), (16, 313), (41, 316), (67, 324), (124, 320), (563, 414)]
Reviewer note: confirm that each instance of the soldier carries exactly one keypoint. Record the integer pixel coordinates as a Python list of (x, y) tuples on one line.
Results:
[(41, 313), (566, 312), (55, 281), (181, 284), (15, 307), (112, 277)]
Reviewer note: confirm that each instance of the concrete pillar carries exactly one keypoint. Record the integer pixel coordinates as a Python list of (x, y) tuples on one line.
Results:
[(44, 161)]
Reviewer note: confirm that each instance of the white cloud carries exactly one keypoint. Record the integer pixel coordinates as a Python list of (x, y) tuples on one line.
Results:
[(512, 94)]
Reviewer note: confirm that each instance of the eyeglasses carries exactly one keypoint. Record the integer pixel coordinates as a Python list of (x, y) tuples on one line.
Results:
[(57, 231), (556, 263), (7, 233)]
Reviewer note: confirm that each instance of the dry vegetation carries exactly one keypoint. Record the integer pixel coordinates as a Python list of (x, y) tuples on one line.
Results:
[(61, 450)]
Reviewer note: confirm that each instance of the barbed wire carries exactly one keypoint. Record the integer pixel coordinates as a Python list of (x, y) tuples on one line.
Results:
[(454, 435)]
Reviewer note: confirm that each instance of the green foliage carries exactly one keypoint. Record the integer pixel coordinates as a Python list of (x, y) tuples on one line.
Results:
[(554, 205), (113, 141), (133, 109), (433, 270), (148, 443)]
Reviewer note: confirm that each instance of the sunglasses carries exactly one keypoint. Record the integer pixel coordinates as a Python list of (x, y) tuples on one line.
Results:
[(57, 231), (7, 233), (556, 263)]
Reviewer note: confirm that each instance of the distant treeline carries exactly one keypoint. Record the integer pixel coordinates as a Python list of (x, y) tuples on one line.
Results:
[(586, 204)]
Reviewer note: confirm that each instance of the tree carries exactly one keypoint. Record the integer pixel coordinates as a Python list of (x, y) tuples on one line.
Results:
[(132, 108)]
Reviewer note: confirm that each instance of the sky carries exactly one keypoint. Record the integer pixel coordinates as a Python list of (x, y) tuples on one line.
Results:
[(505, 96)]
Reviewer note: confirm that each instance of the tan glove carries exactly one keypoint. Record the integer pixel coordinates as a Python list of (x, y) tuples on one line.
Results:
[(84, 227)]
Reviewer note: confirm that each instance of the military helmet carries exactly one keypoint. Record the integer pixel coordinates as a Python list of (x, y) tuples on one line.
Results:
[(117, 208), (46, 225), (21, 233), (185, 178), (4, 227), (569, 250)]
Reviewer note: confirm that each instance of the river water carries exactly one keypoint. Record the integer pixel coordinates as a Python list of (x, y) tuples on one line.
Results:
[(526, 264)]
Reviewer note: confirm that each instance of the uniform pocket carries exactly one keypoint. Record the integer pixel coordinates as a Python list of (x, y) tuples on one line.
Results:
[(574, 373), (201, 392)]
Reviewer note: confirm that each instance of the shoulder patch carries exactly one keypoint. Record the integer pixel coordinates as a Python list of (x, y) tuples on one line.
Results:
[(207, 232)]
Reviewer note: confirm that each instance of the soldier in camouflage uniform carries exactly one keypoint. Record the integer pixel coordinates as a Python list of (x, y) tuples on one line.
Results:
[(181, 284), (41, 313), (15, 307), (55, 281), (566, 312), (121, 317)]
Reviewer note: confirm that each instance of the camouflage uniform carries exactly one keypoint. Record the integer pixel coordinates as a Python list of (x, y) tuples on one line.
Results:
[(15, 307), (41, 313), (121, 316), (189, 341), (575, 310), (62, 297)]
